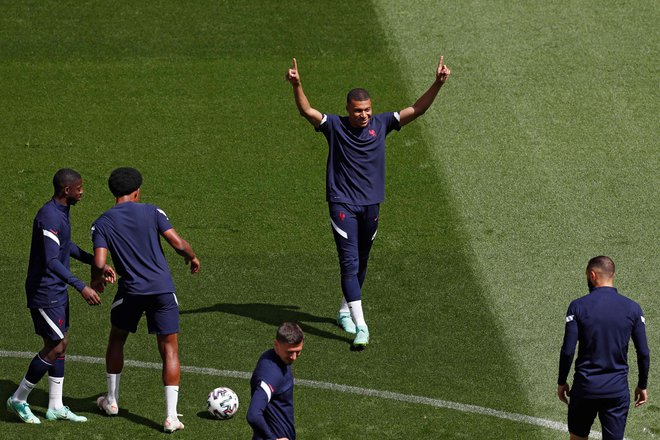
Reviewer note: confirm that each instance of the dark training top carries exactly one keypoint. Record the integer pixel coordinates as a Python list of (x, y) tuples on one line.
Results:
[(603, 322), (271, 409), (355, 171), (131, 232), (50, 251)]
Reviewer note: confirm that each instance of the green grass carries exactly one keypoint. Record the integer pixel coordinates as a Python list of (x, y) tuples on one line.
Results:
[(540, 153)]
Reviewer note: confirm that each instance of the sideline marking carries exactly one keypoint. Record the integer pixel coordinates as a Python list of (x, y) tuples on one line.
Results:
[(521, 418)]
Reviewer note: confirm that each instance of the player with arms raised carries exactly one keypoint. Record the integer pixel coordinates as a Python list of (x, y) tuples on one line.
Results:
[(355, 182)]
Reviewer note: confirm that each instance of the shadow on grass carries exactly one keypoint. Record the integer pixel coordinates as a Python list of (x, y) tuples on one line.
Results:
[(275, 314), (83, 406)]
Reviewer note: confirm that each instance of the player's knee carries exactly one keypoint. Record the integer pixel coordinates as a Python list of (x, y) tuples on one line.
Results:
[(349, 267), (54, 349)]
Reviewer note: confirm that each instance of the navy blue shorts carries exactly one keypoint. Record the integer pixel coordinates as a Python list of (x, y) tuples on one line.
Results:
[(612, 413), (51, 323), (162, 311)]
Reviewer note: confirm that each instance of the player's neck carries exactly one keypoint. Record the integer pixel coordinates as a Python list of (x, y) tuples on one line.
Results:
[(132, 197), (123, 199)]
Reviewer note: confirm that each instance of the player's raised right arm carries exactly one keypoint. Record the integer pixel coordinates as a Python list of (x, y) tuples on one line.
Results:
[(311, 114)]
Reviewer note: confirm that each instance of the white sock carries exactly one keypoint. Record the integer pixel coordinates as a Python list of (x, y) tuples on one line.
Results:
[(23, 391), (55, 385), (113, 387), (171, 400), (344, 306), (356, 312)]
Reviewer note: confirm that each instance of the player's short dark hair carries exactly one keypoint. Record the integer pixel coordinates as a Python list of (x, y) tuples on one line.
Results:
[(290, 333), (602, 264), (357, 95), (124, 181), (65, 177)]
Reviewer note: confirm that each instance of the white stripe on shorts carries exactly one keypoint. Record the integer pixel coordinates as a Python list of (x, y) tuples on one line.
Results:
[(50, 323), (374, 236), (175, 299), (117, 303), (339, 231)]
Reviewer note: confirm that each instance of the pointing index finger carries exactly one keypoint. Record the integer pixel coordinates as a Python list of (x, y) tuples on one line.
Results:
[(442, 57), (295, 65)]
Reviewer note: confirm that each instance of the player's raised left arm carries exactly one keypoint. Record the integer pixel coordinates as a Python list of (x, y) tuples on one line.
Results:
[(183, 248), (409, 114)]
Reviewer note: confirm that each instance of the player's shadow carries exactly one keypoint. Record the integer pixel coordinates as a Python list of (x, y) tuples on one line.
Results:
[(275, 314), (82, 406)]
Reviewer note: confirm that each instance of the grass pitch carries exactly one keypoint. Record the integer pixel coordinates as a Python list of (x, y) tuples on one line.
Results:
[(540, 153)]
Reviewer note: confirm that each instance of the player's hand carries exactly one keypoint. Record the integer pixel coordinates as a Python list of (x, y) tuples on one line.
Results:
[(98, 285), (90, 295), (292, 75), (443, 71), (564, 392), (641, 396), (109, 275), (194, 264)]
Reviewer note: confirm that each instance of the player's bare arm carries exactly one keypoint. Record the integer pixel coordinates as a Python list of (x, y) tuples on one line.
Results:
[(100, 273), (182, 247), (311, 114), (411, 113)]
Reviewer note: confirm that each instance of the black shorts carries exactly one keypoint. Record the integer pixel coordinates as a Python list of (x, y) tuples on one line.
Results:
[(612, 413)]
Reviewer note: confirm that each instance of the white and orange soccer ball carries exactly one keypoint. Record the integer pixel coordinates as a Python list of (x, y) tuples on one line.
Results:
[(222, 403)]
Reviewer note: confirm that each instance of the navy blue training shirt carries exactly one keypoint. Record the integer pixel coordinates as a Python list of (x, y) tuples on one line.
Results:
[(603, 322), (131, 232), (50, 251), (271, 409), (355, 171)]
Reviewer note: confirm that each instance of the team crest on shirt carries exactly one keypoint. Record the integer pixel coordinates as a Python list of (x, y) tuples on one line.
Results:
[(372, 133), (342, 215)]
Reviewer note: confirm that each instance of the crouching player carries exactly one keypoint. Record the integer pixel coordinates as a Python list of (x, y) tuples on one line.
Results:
[(271, 409)]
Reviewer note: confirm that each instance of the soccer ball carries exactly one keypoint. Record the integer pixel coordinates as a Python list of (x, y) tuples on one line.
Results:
[(222, 403)]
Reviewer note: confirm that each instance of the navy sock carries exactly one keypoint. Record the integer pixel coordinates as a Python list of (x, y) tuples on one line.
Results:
[(57, 369), (37, 369)]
